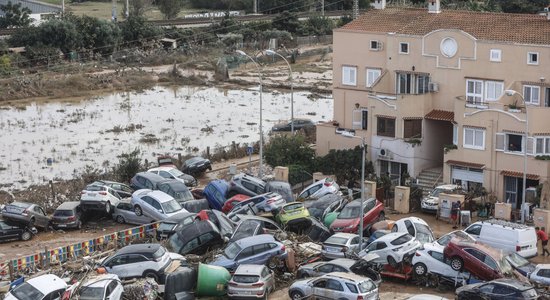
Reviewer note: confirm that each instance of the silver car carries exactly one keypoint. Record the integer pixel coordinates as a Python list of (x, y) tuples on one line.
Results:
[(319, 268), (336, 285), (319, 188), (27, 213), (251, 281), (156, 205), (124, 213), (339, 244)]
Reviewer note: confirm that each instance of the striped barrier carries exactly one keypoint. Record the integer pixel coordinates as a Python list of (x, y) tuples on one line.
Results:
[(66, 253)]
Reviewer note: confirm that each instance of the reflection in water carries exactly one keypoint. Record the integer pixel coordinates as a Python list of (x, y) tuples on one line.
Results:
[(162, 120)]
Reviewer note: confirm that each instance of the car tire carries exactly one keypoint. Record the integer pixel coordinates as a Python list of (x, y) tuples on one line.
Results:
[(456, 263), (304, 276), (108, 207), (26, 235), (296, 295), (151, 274), (392, 262), (138, 211), (272, 263), (31, 222), (381, 216), (420, 269), (120, 219)]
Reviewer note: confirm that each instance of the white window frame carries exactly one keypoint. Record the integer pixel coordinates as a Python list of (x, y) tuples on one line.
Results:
[(495, 55), (372, 76), (347, 78), (455, 134), (529, 96), (474, 133), (475, 94), (357, 118), (545, 144), (377, 48), (400, 48), (530, 61), (493, 86)]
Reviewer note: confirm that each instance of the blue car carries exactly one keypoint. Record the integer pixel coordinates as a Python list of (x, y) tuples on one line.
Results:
[(377, 234), (215, 193), (254, 250)]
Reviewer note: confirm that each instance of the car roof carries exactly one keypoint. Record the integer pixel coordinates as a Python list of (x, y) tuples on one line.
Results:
[(151, 176), (178, 217), (47, 283), (345, 262), (21, 204), (543, 266), (159, 196), (254, 240), (414, 220), (249, 177), (195, 158), (139, 248), (249, 269), (478, 245), (432, 247), (344, 235), (258, 218), (162, 168), (514, 283), (195, 229), (68, 205), (447, 187), (100, 280), (391, 236), (349, 276)]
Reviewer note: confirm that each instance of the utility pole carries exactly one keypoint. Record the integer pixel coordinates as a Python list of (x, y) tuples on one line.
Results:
[(255, 6), (113, 12), (127, 12), (355, 9), (323, 8)]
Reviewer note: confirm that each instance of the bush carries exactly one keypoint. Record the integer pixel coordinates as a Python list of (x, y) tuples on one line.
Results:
[(128, 165), (286, 150)]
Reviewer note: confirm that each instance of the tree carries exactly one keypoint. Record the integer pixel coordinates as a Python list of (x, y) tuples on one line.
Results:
[(170, 8), (139, 7), (128, 165), (289, 150), (136, 31), (286, 21), (345, 164), (14, 15)]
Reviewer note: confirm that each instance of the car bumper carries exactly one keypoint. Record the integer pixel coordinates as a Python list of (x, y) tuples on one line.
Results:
[(65, 225), (429, 208), (93, 205), (332, 255), (16, 217), (245, 293)]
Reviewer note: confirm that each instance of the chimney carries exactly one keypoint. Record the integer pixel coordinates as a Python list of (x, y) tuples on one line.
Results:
[(434, 6), (379, 4)]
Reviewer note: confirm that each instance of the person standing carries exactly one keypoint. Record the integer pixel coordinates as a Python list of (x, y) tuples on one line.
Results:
[(455, 210), (351, 185), (541, 235)]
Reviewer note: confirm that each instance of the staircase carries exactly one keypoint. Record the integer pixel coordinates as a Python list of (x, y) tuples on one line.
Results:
[(427, 179)]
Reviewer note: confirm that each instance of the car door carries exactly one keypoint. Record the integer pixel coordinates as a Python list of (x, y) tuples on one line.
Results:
[(378, 248), (190, 247), (354, 244), (369, 213), (439, 266), (324, 269), (207, 241), (40, 216), (114, 291), (261, 254), (246, 256), (474, 262), (335, 289), (269, 278), (117, 265), (319, 289), (474, 230), (55, 295)]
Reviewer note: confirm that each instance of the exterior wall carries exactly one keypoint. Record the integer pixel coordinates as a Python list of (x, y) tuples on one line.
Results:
[(35, 6)]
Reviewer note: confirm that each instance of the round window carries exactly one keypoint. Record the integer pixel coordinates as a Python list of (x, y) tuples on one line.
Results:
[(448, 47)]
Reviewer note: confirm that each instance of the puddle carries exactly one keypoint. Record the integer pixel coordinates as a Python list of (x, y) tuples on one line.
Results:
[(43, 141)]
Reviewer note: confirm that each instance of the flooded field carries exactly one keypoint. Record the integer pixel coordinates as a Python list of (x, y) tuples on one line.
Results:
[(58, 139)]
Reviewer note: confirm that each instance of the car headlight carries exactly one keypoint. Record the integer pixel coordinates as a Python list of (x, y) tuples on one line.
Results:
[(350, 226)]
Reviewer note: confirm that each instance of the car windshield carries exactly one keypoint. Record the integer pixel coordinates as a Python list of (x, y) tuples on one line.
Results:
[(163, 226), (91, 293), (423, 233), (246, 278), (350, 212), (159, 253), (171, 206), (516, 260), (444, 240), (95, 188), (435, 192), (366, 286), (176, 172), (26, 291), (19, 204), (294, 206), (504, 266), (246, 228), (63, 213), (184, 195), (175, 243), (193, 160), (232, 250), (336, 240), (401, 240)]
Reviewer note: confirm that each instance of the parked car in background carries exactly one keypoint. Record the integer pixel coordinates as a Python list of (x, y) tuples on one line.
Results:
[(318, 189), (339, 244), (416, 227), (430, 203), (67, 215), (215, 192), (505, 235), (253, 225), (124, 213), (246, 184), (267, 202), (43, 287), (480, 260), (10, 230), (282, 188), (392, 248), (139, 261), (540, 275), (101, 287), (170, 225), (196, 165), (26, 213), (175, 174), (257, 250), (224, 224), (319, 268), (498, 289), (123, 190), (196, 238), (350, 217), (293, 214), (336, 285), (430, 259), (319, 208), (520, 264), (298, 124), (230, 203), (155, 204), (251, 281), (99, 198), (146, 180)]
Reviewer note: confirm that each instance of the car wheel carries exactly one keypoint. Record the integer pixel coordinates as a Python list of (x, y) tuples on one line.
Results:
[(420, 269), (304, 276), (457, 263), (138, 211), (151, 274), (26, 235), (108, 207), (392, 262), (381, 216), (272, 263), (31, 222), (120, 219), (296, 295)]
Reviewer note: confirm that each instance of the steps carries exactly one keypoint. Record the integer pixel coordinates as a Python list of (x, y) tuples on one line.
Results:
[(427, 178)]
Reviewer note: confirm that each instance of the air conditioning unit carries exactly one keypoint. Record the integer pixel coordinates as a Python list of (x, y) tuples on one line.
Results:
[(433, 87), (384, 152)]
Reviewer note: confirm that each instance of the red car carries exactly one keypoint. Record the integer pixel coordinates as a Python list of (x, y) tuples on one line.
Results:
[(349, 218), (228, 205), (480, 260)]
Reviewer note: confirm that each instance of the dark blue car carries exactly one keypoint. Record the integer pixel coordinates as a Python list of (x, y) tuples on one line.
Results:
[(520, 264), (215, 193)]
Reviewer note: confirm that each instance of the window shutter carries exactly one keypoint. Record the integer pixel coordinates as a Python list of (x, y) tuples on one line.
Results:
[(407, 128), (499, 142), (455, 134), (529, 147), (357, 117)]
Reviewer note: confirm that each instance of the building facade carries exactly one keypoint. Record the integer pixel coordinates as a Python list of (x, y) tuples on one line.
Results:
[(431, 88)]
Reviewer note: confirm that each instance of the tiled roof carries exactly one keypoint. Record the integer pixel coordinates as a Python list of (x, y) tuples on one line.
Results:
[(515, 28), (519, 174), (441, 115), (465, 164)]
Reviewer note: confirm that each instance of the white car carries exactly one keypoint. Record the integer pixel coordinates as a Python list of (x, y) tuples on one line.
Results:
[(102, 287), (429, 259), (173, 173), (320, 188), (392, 248), (156, 205), (99, 197), (43, 287), (441, 242), (416, 227), (430, 203), (541, 275)]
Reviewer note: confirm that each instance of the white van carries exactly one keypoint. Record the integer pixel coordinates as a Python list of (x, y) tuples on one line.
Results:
[(507, 236)]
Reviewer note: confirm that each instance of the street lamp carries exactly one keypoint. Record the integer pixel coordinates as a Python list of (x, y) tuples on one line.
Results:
[(271, 52), (511, 93), (360, 232), (261, 128)]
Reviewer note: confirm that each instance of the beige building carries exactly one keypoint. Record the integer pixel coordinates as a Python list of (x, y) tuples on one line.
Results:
[(426, 89)]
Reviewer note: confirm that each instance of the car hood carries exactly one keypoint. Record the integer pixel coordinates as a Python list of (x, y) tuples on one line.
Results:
[(431, 199), (344, 222), (527, 269), (222, 261), (300, 283), (310, 266), (468, 287)]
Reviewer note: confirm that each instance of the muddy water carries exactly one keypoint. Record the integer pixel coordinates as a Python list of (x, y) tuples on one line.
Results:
[(47, 140)]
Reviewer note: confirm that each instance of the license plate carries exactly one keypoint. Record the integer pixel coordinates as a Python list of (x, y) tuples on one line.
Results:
[(333, 250), (91, 194)]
